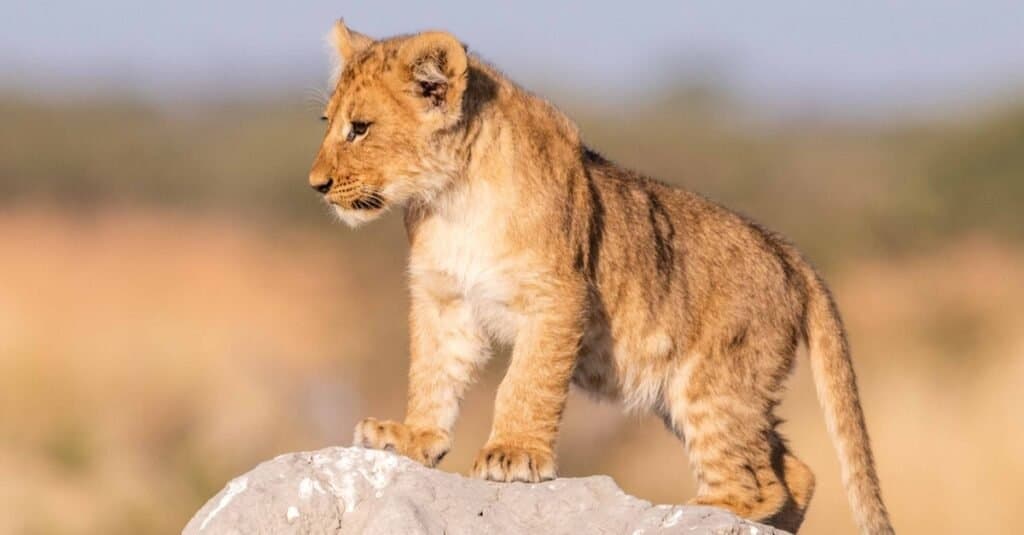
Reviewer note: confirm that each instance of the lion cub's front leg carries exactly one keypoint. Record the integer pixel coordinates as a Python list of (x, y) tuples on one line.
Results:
[(447, 346), (531, 398)]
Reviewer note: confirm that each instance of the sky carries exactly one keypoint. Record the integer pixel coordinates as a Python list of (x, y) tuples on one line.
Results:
[(871, 51)]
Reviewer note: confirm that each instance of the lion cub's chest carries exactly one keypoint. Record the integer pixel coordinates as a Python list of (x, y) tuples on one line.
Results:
[(466, 259)]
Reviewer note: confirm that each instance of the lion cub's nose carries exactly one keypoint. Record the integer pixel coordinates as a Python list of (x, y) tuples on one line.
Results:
[(325, 186)]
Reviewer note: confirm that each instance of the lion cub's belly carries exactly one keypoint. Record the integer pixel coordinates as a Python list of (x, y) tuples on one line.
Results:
[(630, 363)]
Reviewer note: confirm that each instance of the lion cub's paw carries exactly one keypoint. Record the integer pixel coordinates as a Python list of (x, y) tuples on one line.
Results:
[(505, 462), (425, 446)]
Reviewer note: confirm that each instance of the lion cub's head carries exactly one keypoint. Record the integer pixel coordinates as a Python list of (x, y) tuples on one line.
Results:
[(391, 100)]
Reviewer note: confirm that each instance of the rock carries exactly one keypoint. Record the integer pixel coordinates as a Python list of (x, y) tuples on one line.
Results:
[(359, 491)]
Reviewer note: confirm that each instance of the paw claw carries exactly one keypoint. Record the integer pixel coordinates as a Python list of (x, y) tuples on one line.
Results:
[(426, 446), (505, 462)]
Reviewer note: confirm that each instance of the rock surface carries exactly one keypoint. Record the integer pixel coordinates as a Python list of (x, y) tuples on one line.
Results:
[(358, 491)]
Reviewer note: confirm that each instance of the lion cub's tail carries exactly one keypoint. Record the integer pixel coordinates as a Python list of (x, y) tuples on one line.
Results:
[(836, 384)]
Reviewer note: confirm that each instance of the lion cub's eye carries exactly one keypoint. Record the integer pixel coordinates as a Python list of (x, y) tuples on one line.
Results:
[(358, 128)]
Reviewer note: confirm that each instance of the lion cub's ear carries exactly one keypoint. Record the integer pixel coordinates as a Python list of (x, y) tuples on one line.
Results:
[(346, 43), (433, 70)]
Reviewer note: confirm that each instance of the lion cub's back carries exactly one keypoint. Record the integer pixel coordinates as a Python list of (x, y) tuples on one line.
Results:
[(670, 252)]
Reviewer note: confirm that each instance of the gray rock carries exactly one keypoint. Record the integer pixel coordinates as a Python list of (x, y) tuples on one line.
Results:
[(356, 491)]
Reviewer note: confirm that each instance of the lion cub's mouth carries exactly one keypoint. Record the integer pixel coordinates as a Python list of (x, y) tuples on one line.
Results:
[(366, 199), (373, 201), (361, 209)]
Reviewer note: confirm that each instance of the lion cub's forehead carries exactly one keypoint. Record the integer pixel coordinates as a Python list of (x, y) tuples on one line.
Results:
[(372, 63), (363, 76)]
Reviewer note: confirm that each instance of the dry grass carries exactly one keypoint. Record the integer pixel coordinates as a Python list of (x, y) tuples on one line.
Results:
[(146, 357)]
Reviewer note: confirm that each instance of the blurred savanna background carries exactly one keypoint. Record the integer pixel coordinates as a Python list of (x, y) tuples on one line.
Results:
[(176, 305)]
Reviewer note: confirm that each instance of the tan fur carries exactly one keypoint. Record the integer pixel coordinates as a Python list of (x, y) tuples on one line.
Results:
[(628, 288)]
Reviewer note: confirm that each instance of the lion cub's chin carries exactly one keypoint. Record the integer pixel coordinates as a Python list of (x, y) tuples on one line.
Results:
[(354, 218)]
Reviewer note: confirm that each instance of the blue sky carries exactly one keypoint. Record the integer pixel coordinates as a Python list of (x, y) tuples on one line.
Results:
[(858, 52)]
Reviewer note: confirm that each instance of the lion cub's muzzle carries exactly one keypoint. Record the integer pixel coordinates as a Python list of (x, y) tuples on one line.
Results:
[(351, 194)]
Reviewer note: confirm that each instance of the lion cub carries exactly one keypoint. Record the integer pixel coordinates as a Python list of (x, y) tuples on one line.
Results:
[(628, 288)]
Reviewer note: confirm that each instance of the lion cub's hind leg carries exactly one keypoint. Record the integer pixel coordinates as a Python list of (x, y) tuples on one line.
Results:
[(799, 481), (721, 403)]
